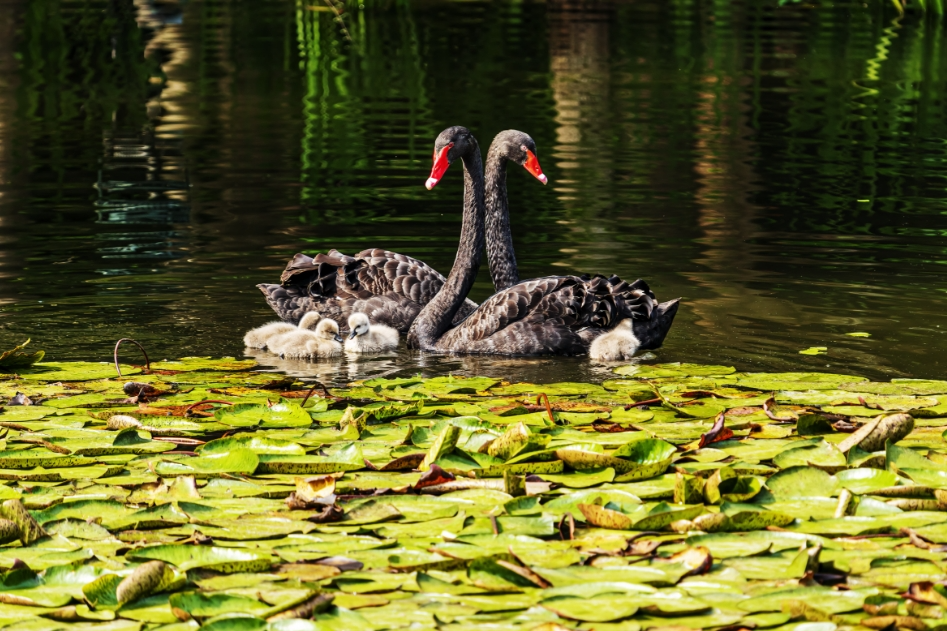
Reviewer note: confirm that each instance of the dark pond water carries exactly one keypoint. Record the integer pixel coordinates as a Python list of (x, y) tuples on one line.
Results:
[(783, 169)]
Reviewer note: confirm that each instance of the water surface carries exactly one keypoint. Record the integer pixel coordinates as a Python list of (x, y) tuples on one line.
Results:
[(783, 169)]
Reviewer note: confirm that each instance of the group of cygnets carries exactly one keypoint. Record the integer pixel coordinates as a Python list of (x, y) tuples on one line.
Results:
[(316, 337)]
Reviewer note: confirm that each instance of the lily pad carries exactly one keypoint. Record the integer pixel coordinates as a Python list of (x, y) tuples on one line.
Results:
[(187, 557)]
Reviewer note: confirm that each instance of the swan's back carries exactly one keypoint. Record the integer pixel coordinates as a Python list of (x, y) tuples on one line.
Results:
[(390, 288), (551, 315)]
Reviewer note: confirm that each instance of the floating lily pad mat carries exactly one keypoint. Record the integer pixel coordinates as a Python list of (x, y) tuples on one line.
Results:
[(205, 495)]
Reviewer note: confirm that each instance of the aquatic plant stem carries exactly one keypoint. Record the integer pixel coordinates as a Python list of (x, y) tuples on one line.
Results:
[(143, 352)]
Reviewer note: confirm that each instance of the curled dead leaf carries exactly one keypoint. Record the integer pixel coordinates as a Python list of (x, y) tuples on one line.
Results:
[(717, 433), (697, 559)]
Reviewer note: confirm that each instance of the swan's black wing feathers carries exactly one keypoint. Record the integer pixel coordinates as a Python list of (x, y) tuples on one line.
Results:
[(390, 288), (551, 315)]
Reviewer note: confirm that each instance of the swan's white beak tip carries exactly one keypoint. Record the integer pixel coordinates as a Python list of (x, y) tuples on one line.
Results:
[(431, 183), (542, 178)]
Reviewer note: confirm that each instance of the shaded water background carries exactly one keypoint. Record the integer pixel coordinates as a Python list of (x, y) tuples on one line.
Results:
[(783, 169)]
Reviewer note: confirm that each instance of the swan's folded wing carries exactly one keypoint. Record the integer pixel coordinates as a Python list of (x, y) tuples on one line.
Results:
[(628, 300), (300, 264), (405, 276), (291, 303), (512, 305), (316, 276), (402, 274)]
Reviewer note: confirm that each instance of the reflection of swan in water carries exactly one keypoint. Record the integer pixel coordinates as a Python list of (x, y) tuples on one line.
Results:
[(328, 371), (333, 371)]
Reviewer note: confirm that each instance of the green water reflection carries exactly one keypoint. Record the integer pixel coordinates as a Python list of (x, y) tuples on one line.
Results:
[(784, 169)]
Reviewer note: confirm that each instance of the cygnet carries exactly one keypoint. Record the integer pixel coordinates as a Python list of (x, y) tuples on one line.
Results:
[(369, 338), (258, 337), (264, 336), (619, 343), (328, 342), (324, 342), (295, 337)]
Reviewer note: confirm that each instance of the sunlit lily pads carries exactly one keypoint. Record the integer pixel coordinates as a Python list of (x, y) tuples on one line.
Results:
[(490, 513)]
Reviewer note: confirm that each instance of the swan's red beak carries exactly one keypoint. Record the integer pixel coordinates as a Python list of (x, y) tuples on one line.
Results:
[(532, 165), (440, 167)]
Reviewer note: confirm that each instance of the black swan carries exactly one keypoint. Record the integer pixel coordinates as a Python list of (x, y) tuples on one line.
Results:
[(509, 145), (550, 315), (392, 288)]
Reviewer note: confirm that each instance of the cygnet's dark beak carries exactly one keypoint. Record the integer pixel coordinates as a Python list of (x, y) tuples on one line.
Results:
[(338, 338), (352, 335)]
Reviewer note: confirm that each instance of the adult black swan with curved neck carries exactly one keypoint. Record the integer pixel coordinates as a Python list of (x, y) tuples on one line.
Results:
[(550, 315), (515, 146), (392, 288)]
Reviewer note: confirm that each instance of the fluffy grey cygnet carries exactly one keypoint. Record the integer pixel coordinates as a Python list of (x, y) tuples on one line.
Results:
[(258, 337), (295, 334), (325, 341), (619, 343), (369, 338)]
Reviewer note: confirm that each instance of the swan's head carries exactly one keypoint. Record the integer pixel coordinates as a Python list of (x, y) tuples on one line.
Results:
[(328, 330), (310, 320), (519, 147), (451, 143), (358, 324)]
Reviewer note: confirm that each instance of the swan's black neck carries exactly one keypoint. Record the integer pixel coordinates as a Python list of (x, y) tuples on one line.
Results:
[(500, 253), (436, 317)]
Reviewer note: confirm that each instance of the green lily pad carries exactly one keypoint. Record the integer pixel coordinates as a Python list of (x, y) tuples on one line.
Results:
[(802, 482), (74, 371), (236, 460), (676, 370), (604, 608), (821, 454), (187, 557), (188, 364)]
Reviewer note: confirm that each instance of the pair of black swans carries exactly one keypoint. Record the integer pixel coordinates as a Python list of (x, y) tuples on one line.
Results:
[(553, 315)]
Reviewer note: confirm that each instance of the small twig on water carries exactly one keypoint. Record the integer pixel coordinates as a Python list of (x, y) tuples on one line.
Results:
[(143, 352), (768, 404), (318, 384), (641, 403), (542, 397)]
